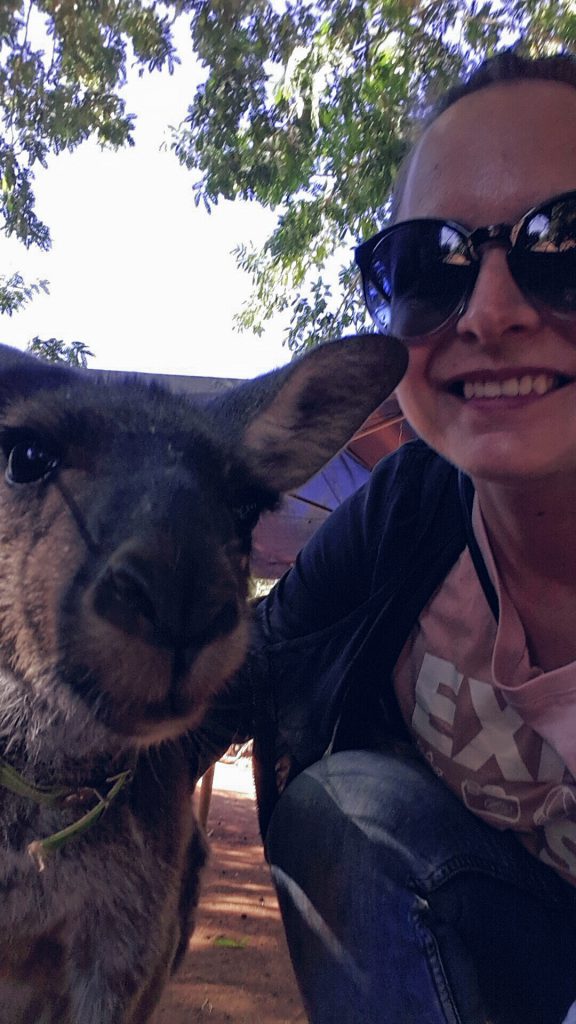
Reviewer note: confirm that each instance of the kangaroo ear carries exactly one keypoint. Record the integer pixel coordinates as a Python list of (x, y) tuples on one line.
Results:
[(22, 374), (293, 420)]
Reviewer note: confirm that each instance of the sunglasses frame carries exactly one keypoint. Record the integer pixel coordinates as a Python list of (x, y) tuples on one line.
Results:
[(504, 235)]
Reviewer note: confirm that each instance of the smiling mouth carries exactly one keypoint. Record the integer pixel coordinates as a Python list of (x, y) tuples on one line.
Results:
[(523, 386)]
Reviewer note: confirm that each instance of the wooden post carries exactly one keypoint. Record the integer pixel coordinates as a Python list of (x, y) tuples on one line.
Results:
[(206, 784)]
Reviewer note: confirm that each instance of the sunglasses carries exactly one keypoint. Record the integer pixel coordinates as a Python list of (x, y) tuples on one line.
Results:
[(418, 275)]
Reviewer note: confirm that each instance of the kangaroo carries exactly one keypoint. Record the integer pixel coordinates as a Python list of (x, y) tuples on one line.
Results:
[(126, 513)]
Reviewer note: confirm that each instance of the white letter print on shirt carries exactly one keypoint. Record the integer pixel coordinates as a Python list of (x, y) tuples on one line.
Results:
[(498, 726), (438, 688)]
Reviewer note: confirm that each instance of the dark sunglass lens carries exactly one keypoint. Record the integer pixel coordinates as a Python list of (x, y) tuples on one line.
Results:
[(419, 274), (543, 259), (378, 305)]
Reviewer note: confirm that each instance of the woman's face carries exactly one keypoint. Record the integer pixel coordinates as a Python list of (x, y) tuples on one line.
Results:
[(488, 160)]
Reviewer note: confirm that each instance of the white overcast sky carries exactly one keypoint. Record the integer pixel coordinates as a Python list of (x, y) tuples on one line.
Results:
[(136, 271)]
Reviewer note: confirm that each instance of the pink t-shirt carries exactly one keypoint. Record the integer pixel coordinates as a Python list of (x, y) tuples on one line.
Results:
[(499, 732)]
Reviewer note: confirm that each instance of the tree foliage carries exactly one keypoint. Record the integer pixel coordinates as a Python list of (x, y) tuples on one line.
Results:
[(62, 67), (15, 292), (54, 350), (306, 108)]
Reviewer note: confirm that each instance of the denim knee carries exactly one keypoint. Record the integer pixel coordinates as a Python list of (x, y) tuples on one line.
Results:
[(374, 859), (424, 833), (357, 932)]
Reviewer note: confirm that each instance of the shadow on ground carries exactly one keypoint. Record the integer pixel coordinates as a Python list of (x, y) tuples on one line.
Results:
[(237, 970)]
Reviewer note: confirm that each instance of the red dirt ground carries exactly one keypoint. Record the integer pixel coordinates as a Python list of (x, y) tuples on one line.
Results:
[(237, 970)]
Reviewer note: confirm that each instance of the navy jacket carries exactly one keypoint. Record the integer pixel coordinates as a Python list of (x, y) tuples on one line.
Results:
[(327, 638)]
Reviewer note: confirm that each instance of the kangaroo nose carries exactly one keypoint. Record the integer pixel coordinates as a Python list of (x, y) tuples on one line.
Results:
[(146, 599)]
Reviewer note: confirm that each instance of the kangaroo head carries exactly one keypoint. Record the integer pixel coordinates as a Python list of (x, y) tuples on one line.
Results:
[(126, 515)]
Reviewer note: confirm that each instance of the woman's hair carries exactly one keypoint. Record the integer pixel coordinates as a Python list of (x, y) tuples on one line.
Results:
[(507, 66)]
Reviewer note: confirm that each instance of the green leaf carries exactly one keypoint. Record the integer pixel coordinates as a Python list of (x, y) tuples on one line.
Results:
[(15, 292), (309, 110), (226, 942), (54, 350), (304, 107), (62, 68)]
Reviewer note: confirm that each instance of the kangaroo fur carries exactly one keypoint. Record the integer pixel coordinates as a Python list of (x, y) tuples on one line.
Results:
[(126, 514)]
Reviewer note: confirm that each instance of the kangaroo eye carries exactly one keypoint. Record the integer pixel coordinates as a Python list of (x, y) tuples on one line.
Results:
[(29, 460)]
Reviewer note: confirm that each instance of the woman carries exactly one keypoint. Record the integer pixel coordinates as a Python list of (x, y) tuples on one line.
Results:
[(426, 867)]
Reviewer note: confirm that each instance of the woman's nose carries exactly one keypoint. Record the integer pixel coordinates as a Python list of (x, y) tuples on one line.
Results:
[(497, 308)]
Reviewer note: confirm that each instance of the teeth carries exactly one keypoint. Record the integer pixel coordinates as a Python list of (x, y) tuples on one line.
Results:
[(511, 387), (541, 385)]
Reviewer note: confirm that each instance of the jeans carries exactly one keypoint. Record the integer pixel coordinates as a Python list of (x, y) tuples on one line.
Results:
[(402, 907)]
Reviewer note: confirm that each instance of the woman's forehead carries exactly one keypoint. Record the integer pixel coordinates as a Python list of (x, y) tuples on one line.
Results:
[(494, 154)]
